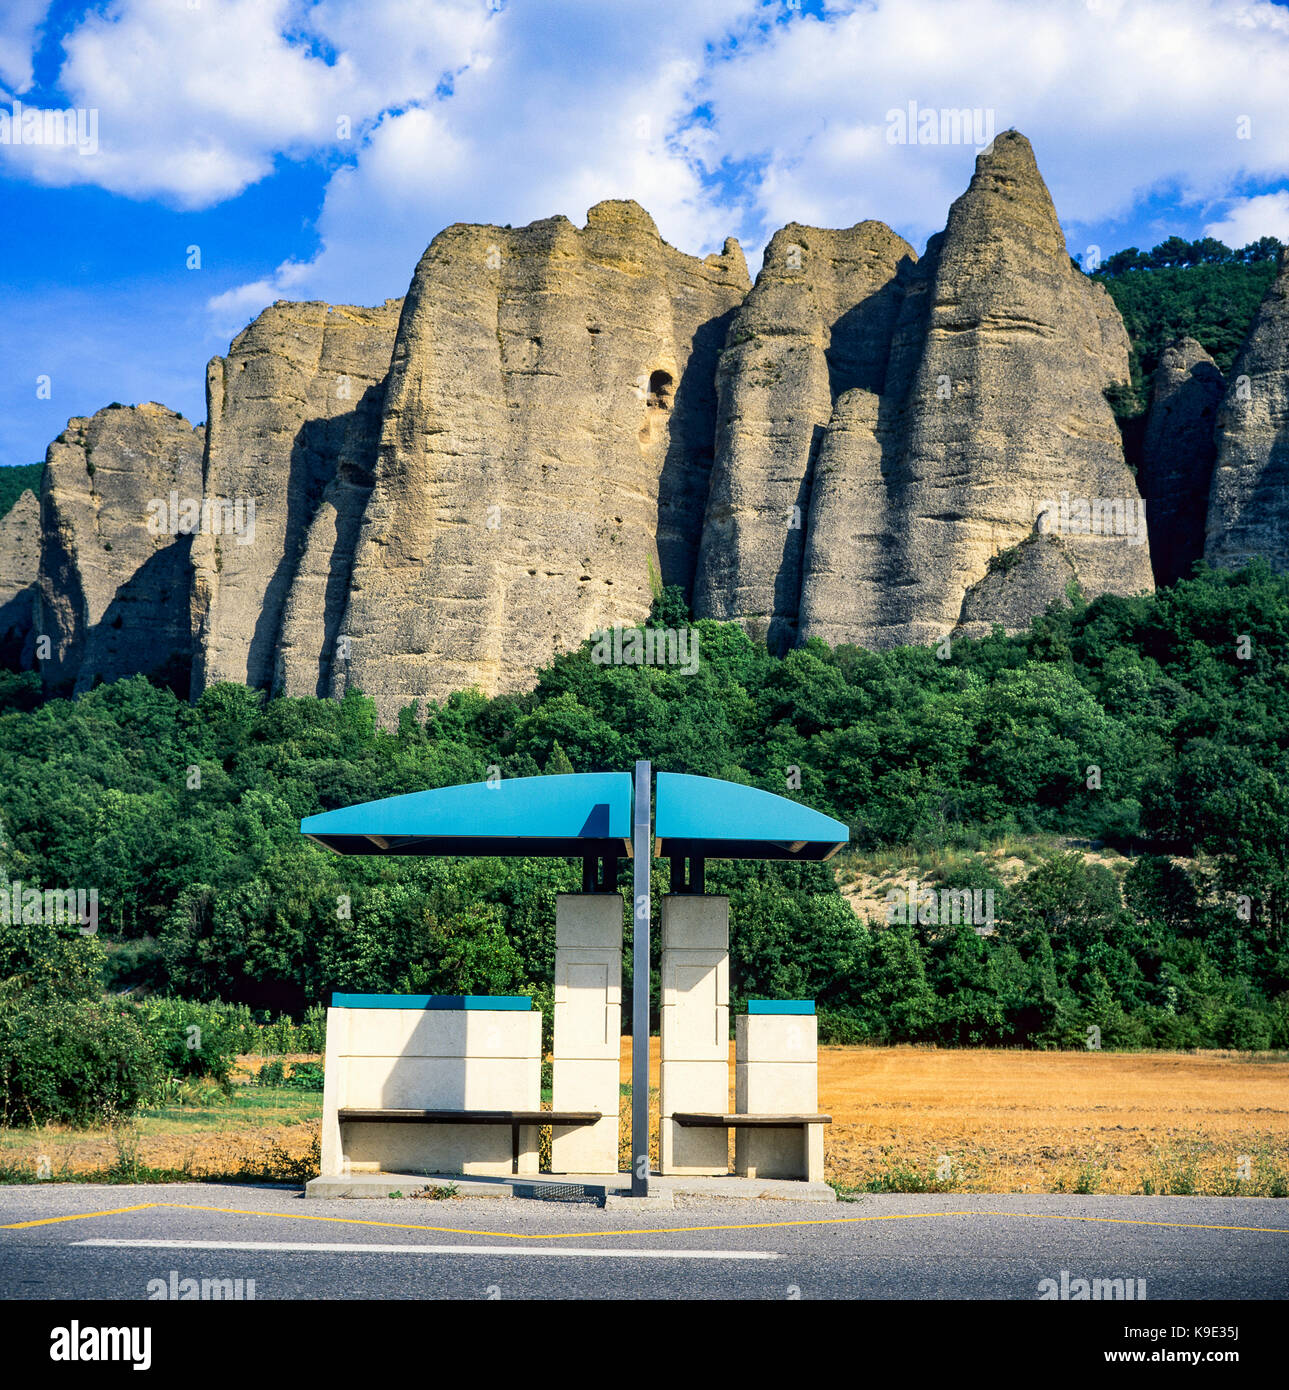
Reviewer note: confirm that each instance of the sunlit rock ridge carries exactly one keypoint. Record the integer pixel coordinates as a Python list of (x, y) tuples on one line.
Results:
[(447, 490)]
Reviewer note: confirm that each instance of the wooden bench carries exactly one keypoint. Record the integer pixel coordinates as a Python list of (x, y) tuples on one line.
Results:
[(516, 1119), (693, 1120), (803, 1124)]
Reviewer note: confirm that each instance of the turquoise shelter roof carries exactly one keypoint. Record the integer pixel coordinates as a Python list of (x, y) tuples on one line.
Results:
[(710, 819), (575, 815), (581, 815)]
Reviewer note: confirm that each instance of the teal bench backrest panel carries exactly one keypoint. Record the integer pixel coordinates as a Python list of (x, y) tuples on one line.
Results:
[(516, 1003), (780, 1006)]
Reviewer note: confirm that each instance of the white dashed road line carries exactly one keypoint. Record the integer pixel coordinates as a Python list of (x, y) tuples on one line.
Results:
[(347, 1248)]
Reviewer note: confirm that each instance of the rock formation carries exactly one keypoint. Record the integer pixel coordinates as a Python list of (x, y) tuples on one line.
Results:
[(19, 563), (292, 410), (546, 442), (818, 321), (992, 425), (114, 574), (1248, 512), (1178, 452), (449, 490), (1018, 584)]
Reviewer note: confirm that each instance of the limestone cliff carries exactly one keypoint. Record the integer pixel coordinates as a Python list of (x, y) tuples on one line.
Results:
[(1178, 453), (293, 409), (1019, 583), (546, 442), (19, 563), (448, 490), (818, 322), (992, 425), (1248, 512), (114, 577)]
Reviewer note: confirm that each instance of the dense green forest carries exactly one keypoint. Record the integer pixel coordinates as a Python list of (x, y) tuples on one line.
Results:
[(15, 481), (1159, 725), (1198, 289)]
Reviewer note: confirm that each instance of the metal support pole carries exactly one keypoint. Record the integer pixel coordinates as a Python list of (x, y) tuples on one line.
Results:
[(642, 852)]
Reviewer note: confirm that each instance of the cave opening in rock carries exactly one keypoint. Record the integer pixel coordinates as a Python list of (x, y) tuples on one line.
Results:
[(661, 388)]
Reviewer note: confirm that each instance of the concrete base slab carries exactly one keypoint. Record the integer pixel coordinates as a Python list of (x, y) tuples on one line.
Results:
[(622, 1201), (408, 1184), (594, 1185), (742, 1189)]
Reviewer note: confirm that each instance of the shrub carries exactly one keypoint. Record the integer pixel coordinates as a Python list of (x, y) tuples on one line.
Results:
[(313, 1031), (305, 1076), (41, 961), (271, 1073), (190, 1039), (133, 965), (841, 1028), (73, 1061), (1246, 1030)]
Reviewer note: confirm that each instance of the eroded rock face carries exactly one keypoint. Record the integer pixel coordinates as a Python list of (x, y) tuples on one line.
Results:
[(19, 563), (319, 593), (1018, 585), (114, 574), (449, 490), (847, 555), (293, 410), (546, 443), (1248, 512), (1178, 452), (818, 322), (992, 417)]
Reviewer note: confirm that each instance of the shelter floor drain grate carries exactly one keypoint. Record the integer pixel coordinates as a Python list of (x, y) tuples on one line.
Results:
[(561, 1192)]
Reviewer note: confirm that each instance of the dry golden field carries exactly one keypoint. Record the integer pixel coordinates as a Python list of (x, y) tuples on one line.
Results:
[(904, 1119), (1010, 1121), (1047, 1121)]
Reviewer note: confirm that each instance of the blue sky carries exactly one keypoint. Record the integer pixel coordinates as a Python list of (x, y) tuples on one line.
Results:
[(312, 150)]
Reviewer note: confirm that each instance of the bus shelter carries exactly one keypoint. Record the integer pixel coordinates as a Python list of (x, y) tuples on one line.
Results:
[(453, 1083)]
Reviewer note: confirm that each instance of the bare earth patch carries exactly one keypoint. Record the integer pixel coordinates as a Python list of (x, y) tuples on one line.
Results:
[(1012, 1121)]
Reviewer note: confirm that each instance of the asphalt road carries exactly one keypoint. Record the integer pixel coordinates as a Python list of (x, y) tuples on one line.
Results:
[(91, 1242)]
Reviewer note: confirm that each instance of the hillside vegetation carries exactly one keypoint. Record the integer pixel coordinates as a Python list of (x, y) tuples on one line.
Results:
[(1195, 289), (1158, 726), (15, 481), (1113, 780)]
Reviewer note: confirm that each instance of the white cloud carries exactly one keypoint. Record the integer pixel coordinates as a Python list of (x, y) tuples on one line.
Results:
[(20, 21), (1249, 219), (1119, 100), (715, 114), (570, 102), (232, 310), (195, 103)]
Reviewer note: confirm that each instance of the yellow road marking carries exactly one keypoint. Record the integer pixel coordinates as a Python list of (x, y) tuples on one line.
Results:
[(347, 1220), (575, 1235), (80, 1216), (645, 1230), (474, 1231), (1133, 1221), (767, 1225)]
